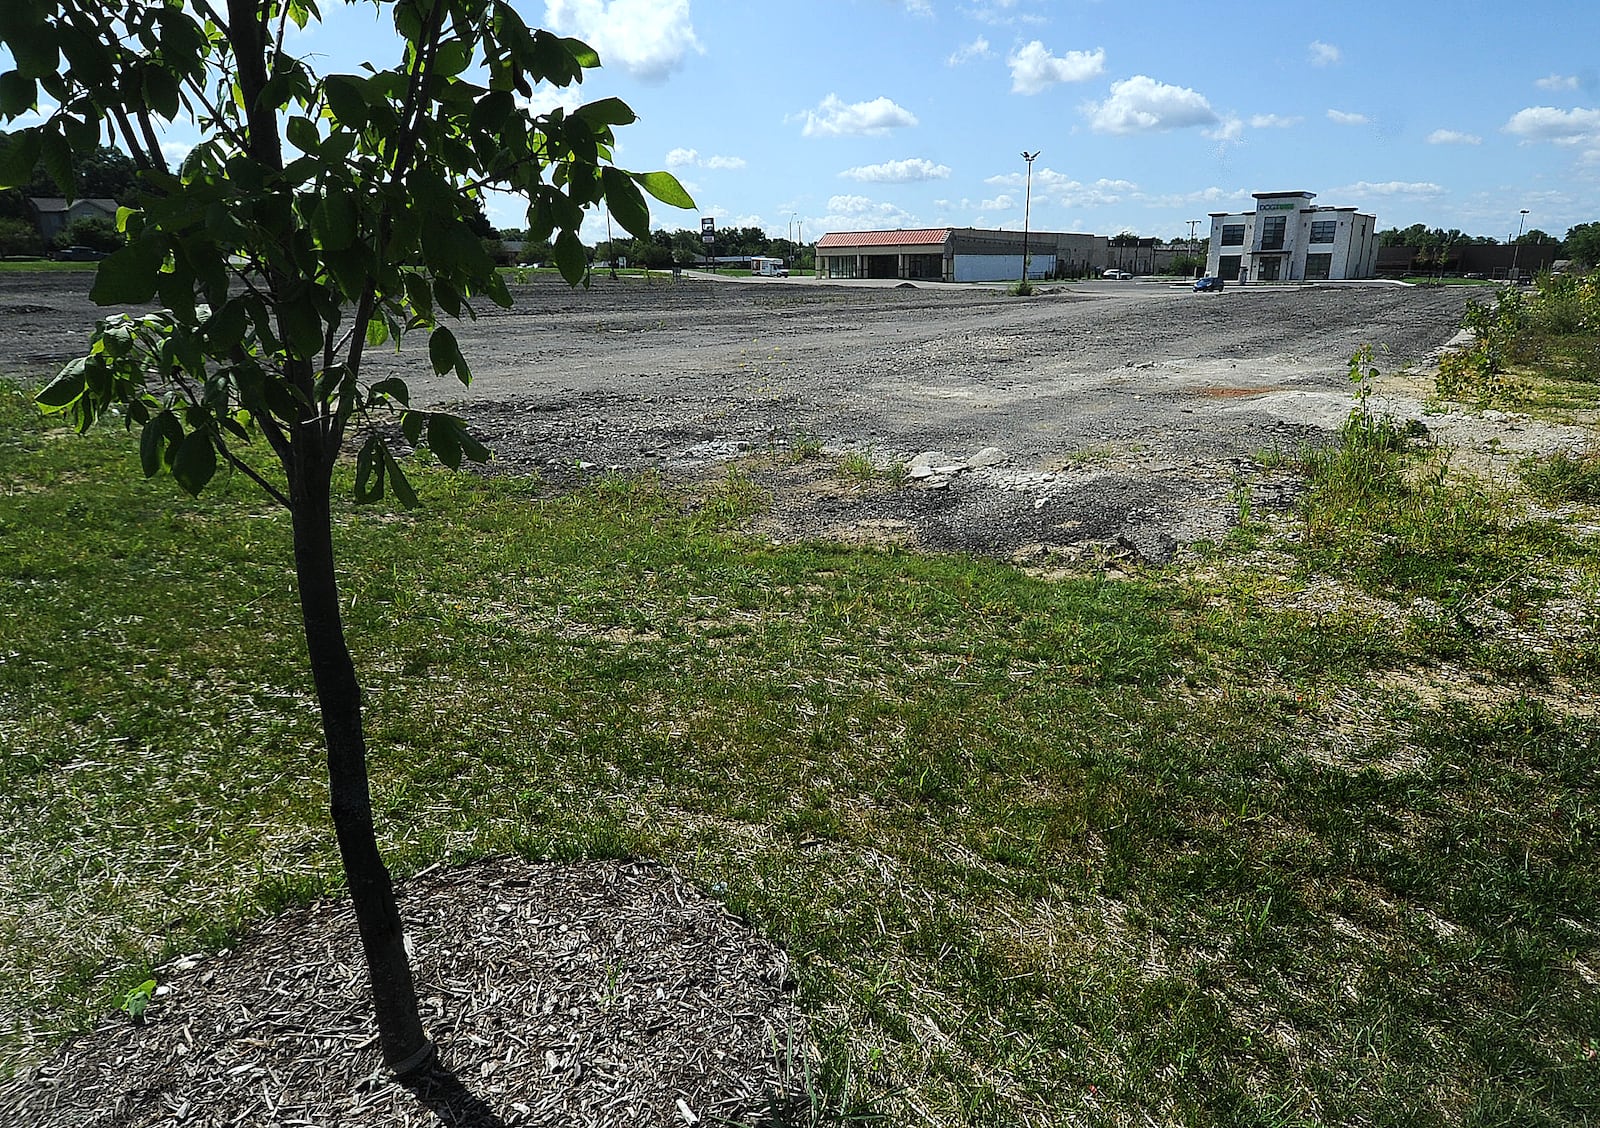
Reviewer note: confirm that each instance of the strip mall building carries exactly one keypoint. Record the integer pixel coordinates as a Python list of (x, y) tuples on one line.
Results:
[(1288, 238), (956, 254)]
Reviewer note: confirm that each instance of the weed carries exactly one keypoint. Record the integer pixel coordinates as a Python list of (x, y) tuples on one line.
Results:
[(858, 465), (1563, 476), (807, 448), (1021, 289), (137, 1000)]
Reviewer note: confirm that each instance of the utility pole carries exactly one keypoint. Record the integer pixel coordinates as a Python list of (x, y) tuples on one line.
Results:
[(1193, 223), (1027, 207), (1517, 246)]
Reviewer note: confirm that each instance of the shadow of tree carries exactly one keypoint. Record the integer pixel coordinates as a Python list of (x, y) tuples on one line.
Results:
[(450, 1101)]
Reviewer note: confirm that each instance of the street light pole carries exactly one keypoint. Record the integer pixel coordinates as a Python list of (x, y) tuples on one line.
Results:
[(1517, 246), (1027, 208)]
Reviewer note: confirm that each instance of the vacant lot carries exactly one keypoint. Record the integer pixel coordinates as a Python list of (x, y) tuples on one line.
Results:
[(1123, 412), (1296, 829)]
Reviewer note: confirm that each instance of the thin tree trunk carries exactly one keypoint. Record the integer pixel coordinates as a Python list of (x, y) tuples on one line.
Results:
[(406, 1047)]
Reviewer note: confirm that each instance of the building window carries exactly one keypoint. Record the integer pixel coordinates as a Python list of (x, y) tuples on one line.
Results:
[(1228, 267), (1272, 229), (1318, 266), (1267, 268), (1233, 234), (1322, 230), (840, 266)]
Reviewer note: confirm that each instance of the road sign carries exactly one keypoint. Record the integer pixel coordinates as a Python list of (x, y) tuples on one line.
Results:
[(708, 229)]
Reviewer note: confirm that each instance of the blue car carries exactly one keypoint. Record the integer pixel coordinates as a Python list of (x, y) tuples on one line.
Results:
[(1208, 283)]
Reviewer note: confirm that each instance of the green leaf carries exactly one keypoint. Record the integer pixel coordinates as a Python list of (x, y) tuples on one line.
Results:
[(377, 331), (65, 389), (393, 388), (665, 187), (18, 159), (398, 479), (56, 153), (157, 441), (17, 94), (129, 276), (346, 100), (444, 441), (370, 468), (451, 58), (606, 111), (303, 135), (570, 257), (626, 202), (443, 350), (334, 221), (195, 462)]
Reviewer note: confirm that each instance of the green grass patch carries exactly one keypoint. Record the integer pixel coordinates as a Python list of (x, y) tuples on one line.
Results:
[(1071, 851), (47, 266)]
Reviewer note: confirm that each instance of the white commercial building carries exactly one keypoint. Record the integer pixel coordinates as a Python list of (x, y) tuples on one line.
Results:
[(1287, 238)]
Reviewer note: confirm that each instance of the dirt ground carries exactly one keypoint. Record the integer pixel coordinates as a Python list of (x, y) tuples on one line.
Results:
[(1121, 415)]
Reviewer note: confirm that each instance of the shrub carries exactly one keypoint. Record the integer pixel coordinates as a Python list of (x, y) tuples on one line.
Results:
[(18, 237), (91, 231)]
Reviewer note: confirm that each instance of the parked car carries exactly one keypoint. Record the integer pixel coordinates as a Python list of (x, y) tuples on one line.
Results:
[(1119, 275), (79, 254), (1209, 284)]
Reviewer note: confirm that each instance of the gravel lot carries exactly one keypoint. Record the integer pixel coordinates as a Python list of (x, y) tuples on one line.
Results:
[(1109, 414)]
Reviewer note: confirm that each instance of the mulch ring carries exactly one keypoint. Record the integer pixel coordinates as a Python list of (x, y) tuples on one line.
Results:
[(590, 994)]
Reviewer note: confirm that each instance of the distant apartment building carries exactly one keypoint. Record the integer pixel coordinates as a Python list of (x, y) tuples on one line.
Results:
[(1287, 238)]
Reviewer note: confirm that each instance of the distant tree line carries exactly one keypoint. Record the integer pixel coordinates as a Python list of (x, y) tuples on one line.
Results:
[(1582, 243)]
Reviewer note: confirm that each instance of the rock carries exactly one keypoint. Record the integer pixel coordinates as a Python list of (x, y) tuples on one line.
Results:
[(916, 473), (928, 458), (988, 456)]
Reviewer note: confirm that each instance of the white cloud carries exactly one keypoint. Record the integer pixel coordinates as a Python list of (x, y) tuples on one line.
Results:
[(859, 213), (833, 117), (1546, 123), (1424, 188), (647, 38), (1046, 179), (1273, 121), (1101, 193), (691, 158), (1557, 82), (1339, 117), (918, 7), (1323, 54), (546, 99), (908, 171), (977, 49), (1142, 105), (1034, 69), (1229, 128), (1002, 202), (1453, 137)]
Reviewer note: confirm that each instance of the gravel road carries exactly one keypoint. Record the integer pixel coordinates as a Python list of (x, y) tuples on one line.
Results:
[(1107, 414)]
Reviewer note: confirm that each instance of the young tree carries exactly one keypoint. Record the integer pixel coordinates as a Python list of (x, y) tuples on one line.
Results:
[(1583, 243), (319, 216)]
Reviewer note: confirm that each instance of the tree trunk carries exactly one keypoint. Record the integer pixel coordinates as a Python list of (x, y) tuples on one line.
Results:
[(406, 1047)]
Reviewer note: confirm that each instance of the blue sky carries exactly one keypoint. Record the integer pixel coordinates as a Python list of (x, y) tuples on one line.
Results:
[(828, 115)]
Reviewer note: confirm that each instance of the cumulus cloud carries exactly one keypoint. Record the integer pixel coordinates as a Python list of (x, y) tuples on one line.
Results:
[(691, 158), (1046, 179), (834, 117), (1273, 121), (860, 213), (977, 49), (1339, 117), (546, 99), (909, 171), (1101, 193), (1034, 69), (1002, 202), (1229, 128), (1557, 82), (1546, 123), (647, 38), (1142, 105), (1453, 137), (1323, 54)]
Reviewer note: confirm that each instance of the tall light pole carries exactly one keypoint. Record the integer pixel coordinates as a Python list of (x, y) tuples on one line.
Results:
[(1027, 208), (1517, 246)]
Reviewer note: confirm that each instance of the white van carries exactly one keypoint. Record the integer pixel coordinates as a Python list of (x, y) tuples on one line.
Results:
[(768, 267)]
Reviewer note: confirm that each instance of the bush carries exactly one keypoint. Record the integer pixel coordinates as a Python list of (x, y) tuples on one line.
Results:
[(18, 237), (1566, 304), (95, 232)]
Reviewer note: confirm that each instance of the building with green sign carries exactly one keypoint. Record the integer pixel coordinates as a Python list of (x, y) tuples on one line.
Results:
[(1287, 238)]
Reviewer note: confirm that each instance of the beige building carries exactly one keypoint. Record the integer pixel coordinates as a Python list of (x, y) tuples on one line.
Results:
[(958, 254)]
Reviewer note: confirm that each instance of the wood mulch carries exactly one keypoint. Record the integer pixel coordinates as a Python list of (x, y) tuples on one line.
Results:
[(602, 993)]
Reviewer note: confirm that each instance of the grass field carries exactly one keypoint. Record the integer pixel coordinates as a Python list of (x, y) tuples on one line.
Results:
[(1302, 830)]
